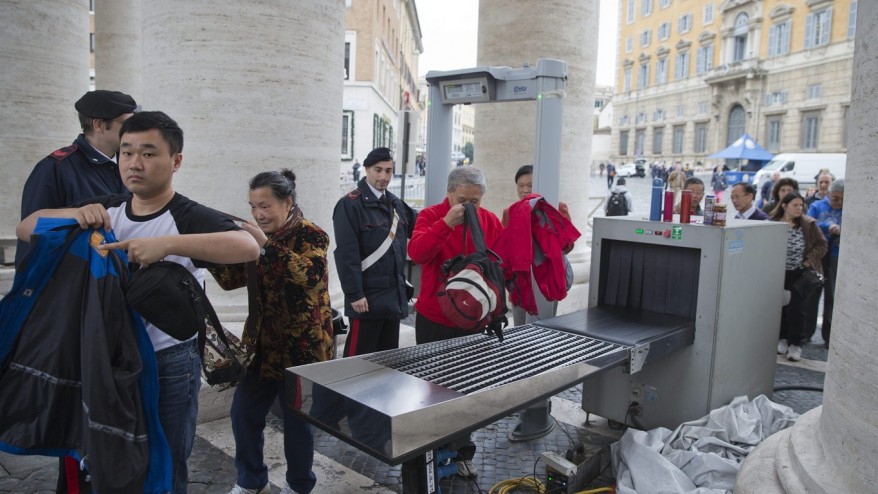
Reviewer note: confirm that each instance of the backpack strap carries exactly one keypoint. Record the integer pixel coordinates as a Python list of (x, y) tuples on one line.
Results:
[(471, 222)]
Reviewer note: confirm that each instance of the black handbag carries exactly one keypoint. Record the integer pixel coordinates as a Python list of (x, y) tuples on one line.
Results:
[(167, 295), (809, 281)]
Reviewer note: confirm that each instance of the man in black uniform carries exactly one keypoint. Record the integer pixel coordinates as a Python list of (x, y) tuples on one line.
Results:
[(372, 227), (85, 169)]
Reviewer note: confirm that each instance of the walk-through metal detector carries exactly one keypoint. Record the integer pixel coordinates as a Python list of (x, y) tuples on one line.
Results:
[(544, 84)]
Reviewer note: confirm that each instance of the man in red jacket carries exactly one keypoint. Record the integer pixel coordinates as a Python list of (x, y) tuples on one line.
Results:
[(438, 236)]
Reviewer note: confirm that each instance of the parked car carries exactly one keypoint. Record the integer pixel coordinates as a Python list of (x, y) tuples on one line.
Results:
[(635, 169)]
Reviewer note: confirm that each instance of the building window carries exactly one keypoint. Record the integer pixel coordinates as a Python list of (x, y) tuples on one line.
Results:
[(681, 111), (741, 30), (681, 66), (658, 115), (736, 123), (813, 92), (702, 108), (629, 45), (810, 130), (645, 38), (643, 76), (700, 137), (347, 60), (779, 39), (91, 6), (639, 142), (664, 31), (626, 84), (623, 143), (623, 120), (684, 25), (661, 71), (708, 13), (678, 139), (817, 28), (772, 134), (852, 20), (663, 4), (704, 59), (347, 135), (641, 117), (631, 10), (645, 7), (658, 135), (775, 98), (91, 42)]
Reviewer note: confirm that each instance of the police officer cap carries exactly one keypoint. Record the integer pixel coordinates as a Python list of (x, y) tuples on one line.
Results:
[(377, 155), (105, 104)]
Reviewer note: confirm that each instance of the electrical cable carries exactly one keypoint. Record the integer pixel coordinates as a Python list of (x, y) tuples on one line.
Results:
[(795, 387), (599, 489), (512, 485)]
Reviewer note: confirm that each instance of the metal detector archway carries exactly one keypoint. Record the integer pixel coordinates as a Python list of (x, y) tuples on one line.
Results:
[(544, 84)]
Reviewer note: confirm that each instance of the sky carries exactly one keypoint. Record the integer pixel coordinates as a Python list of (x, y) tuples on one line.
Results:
[(449, 32)]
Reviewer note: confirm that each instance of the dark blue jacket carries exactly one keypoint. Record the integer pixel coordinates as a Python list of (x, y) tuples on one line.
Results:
[(68, 176), (361, 224), (78, 374)]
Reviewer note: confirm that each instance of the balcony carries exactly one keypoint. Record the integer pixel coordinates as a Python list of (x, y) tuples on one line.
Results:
[(744, 69)]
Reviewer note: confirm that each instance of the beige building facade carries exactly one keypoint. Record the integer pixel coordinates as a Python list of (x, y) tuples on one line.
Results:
[(382, 45), (695, 75)]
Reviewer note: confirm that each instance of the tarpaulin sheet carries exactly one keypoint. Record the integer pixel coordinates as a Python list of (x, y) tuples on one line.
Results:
[(699, 457)]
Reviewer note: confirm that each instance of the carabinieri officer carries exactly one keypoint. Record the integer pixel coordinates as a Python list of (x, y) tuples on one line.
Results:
[(372, 227)]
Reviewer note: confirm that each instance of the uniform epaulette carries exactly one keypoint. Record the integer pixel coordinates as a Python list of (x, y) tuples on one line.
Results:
[(354, 194), (64, 152)]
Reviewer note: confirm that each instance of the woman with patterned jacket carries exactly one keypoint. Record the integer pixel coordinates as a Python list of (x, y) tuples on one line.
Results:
[(290, 325)]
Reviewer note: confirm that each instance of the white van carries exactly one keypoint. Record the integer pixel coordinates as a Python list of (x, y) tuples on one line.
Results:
[(803, 167)]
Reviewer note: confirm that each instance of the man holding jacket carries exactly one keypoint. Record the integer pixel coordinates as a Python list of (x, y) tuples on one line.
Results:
[(372, 227)]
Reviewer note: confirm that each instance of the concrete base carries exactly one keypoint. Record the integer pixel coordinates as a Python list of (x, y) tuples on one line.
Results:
[(791, 461)]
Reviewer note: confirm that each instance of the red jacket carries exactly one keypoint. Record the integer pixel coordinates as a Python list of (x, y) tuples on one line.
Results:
[(433, 243), (516, 247)]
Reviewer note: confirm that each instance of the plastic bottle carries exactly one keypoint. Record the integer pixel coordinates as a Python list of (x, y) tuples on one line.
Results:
[(655, 206)]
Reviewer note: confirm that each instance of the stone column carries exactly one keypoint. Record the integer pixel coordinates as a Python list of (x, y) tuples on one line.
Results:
[(255, 87), (44, 60), (118, 31), (833, 448), (513, 33)]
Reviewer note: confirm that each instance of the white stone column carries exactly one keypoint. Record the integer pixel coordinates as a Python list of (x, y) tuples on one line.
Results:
[(118, 31), (255, 86), (44, 60), (834, 447), (512, 33)]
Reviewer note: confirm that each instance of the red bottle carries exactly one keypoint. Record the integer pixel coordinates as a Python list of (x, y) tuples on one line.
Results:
[(685, 206)]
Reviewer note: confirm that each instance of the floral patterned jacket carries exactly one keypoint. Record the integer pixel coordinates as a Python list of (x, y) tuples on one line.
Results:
[(292, 322)]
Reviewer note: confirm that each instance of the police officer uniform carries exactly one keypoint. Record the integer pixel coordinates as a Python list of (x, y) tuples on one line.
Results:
[(77, 172), (362, 222)]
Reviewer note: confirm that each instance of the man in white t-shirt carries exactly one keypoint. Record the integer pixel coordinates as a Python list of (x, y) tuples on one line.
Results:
[(152, 224)]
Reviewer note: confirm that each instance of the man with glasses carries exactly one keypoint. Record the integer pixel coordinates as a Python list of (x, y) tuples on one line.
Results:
[(85, 169)]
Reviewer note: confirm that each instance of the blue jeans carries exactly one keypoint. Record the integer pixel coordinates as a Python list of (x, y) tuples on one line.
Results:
[(253, 399), (179, 370)]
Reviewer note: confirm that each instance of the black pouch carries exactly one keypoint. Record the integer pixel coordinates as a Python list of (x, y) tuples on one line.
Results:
[(409, 290), (167, 295)]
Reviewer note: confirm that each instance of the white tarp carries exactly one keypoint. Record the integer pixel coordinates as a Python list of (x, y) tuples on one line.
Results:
[(699, 457)]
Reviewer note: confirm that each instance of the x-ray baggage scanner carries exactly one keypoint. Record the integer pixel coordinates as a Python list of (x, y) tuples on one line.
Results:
[(544, 84)]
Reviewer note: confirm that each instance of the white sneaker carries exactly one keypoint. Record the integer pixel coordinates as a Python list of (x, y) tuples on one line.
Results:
[(266, 489), (782, 347), (466, 469), (795, 353)]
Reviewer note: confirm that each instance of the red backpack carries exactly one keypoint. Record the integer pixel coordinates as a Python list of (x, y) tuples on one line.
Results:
[(474, 295)]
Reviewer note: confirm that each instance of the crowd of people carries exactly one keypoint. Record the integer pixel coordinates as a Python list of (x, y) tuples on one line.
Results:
[(118, 174)]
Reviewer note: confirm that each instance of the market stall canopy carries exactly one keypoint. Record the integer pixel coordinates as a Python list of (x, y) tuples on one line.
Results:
[(744, 148)]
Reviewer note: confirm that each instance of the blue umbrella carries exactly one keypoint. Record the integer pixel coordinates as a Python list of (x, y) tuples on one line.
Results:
[(744, 148)]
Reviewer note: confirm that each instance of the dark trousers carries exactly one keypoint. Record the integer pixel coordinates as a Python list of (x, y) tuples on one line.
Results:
[(427, 331), (830, 272), (371, 335), (792, 318), (253, 399)]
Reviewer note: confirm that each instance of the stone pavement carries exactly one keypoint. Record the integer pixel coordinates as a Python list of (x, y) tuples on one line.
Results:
[(343, 469)]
